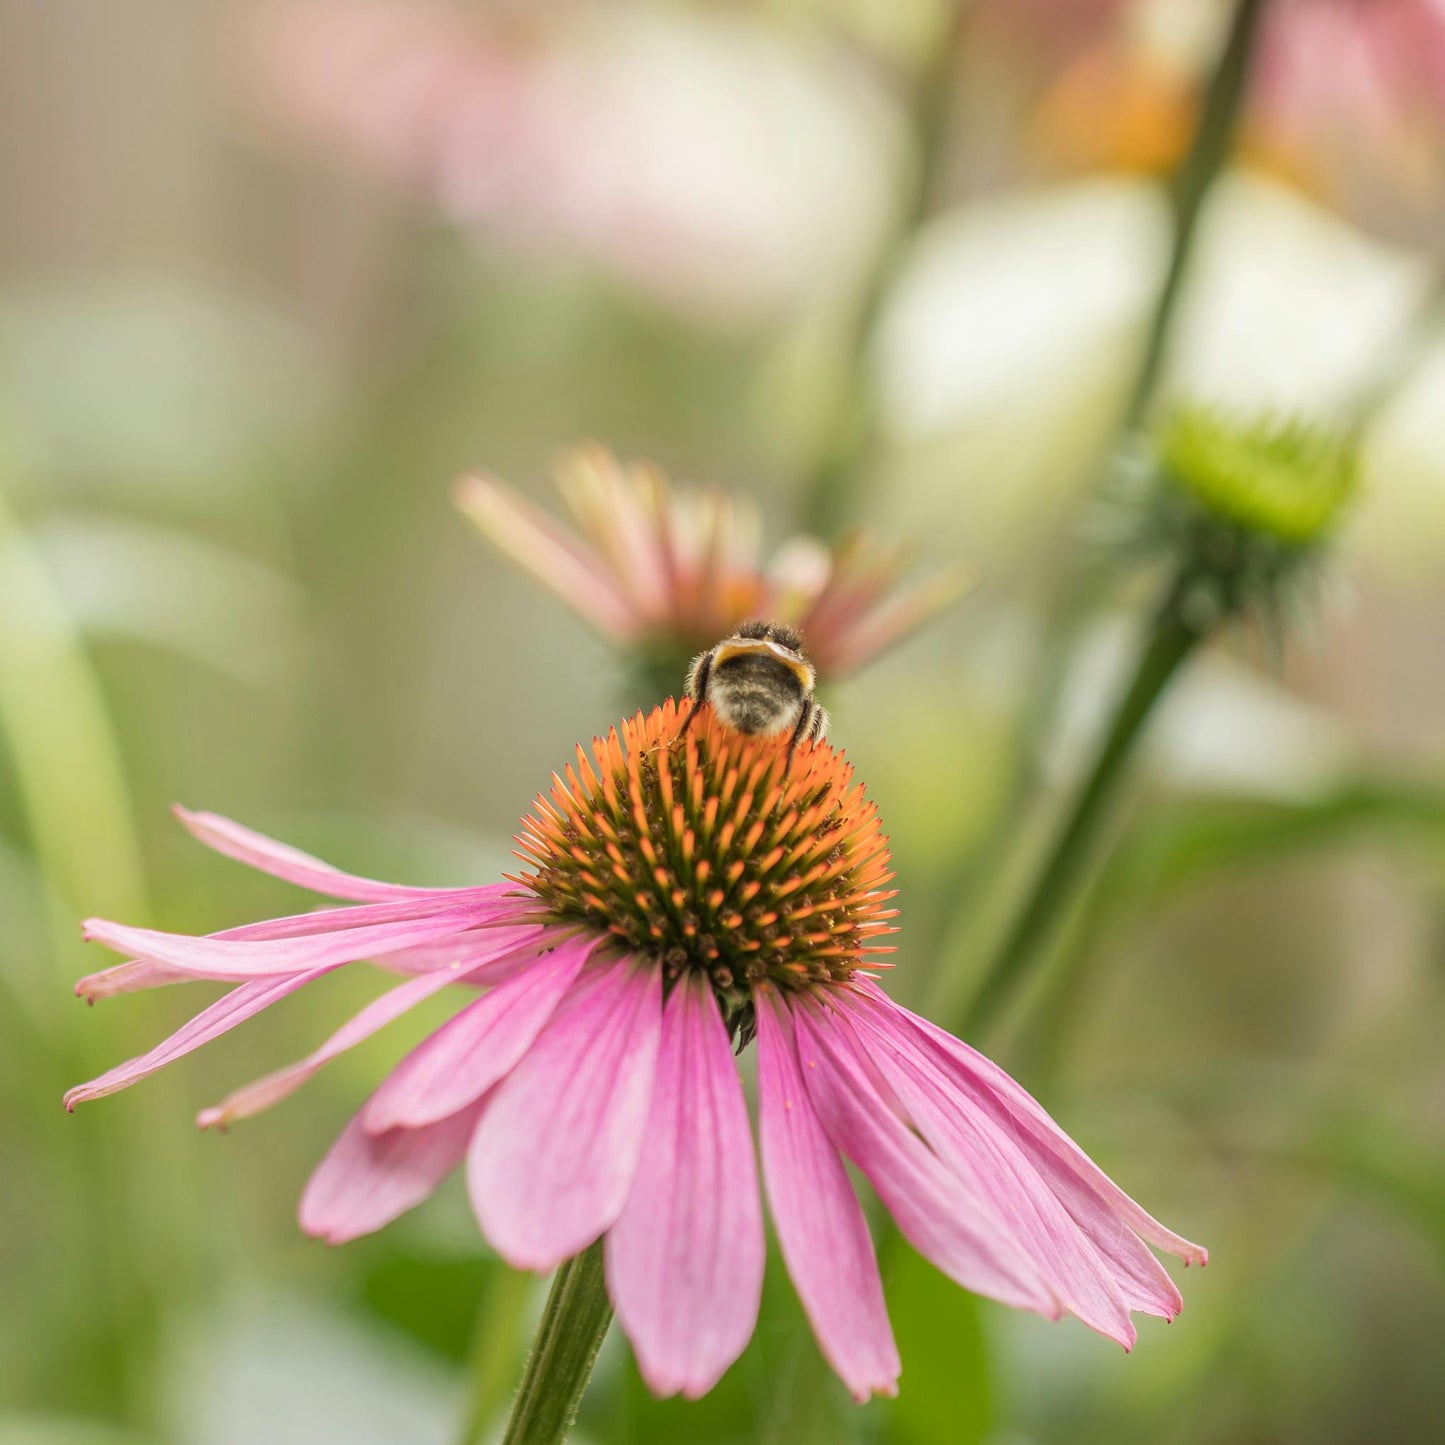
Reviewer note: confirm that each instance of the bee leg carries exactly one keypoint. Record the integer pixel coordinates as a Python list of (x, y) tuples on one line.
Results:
[(804, 728), (698, 693)]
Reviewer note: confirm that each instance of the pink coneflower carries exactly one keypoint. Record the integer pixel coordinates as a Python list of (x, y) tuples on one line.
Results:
[(667, 569), (686, 892)]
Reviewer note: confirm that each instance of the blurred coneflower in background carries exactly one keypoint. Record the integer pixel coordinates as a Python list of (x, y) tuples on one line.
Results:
[(663, 570)]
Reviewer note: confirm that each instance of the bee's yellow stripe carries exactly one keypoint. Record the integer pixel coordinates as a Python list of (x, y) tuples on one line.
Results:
[(743, 646)]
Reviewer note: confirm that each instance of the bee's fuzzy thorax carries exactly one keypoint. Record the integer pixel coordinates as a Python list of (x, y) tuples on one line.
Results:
[(715, 852)]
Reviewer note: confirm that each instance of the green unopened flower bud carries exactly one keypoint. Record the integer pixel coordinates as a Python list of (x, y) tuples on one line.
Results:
[(1286, 481), (1240, 509)]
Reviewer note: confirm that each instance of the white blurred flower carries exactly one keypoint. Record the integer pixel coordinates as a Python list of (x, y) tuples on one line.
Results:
[(1006, 352)]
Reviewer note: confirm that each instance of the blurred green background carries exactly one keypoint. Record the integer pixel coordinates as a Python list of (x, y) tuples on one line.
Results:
[(272, 277)]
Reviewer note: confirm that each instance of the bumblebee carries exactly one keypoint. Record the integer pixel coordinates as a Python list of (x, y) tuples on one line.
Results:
[(759, 681)]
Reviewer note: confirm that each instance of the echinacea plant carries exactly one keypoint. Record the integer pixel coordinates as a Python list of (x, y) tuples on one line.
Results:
[(1238, 512), (662, 571), (687, 890)]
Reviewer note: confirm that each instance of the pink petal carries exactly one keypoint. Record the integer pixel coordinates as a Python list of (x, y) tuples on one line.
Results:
[(1088, 1187), (274, 1087), (486, 959), (1142, 1281), (892, 618), (554, 556), (934, 1213), (469, 1053), (283, 861), (554, 1155), (488, 953), (820, 1224), (469, 947), (129, 977), (140, 973), (234, 1008), (685, 1258), (240, 959), (611, 504), (993, 1169), (366, 1180)]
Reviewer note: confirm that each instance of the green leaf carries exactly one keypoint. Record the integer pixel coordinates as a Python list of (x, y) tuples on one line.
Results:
[(1192, 838), (945, 1395)]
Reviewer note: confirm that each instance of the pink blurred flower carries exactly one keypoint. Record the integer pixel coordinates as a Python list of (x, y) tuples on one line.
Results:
[(1355, 91), (700, 156), (686, 890), (669, 569), (1347, 99)]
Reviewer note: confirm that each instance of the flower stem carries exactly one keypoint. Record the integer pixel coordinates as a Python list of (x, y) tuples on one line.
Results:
[(830, 492), (1193, 182), (574, 1322), (1170, 641)]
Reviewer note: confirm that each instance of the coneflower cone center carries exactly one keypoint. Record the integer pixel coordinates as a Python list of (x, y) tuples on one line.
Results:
[(713, 852)]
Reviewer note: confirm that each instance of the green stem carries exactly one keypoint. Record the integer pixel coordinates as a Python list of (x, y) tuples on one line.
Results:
[(830, 493), (1170, 641), (1193, 182), (574, 1322), (1069, 601)]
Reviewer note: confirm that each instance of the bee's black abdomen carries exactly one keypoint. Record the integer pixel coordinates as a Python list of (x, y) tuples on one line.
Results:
[(762, 693)]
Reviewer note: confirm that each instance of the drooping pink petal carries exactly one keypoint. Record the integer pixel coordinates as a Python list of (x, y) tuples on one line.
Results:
[(1138, 1277), (488, 953), (130, 977), (685, 1258), (1142, 1280), (556, 1150), (234, 840), (241, 959), (242, 1002), (1078, 1180), (933, 1211), (140, 973), (275, 1086), (471, 1052), (367, 1180), (820, 1224), (992, 1167), (468, 947)]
